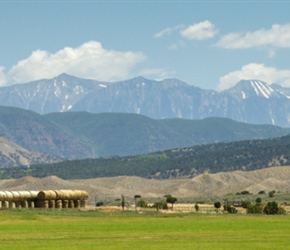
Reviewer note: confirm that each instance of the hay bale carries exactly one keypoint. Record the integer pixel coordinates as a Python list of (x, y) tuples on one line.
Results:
[(27, 195), (16, 195), (51, 203), (62, 194), (65, 203), (24, 204), (47, 195), (2, 196), (42, 204), (71, 204), (11, 204), (77, 203), (8, 196), (58, 204)]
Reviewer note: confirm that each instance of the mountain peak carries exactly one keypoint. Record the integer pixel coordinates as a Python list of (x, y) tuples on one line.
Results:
[(253, 87)]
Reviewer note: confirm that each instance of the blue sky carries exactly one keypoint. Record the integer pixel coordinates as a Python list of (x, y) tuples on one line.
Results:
[(208, 44)]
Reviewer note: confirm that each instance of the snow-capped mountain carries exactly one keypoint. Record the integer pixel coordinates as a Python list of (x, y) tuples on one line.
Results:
[(249, 101)]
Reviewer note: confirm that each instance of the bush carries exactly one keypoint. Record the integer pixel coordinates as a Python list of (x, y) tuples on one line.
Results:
[(246, 204), (271, 208), (196, 206), (217, 205), (99, 204), (255, 209), (160, 205), (258, 200), (272, 194), (262, 192), (245, 192), (230, 209), (142, 203)]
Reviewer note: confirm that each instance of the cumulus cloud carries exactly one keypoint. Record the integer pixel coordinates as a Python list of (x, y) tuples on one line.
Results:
[(3, 79), (276, 36), (255, 71), (200, 31), (90, 60)]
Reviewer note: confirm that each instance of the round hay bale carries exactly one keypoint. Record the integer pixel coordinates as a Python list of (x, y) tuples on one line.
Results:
[(62, 194), (71, 204), (9, 196), (31, 204), (24, 204), (78, 194), (65, 204), (18, 204), (25, 195), (2, 196), (16, 195), (11, 204), (34, 194), (5, 204), (51, 203), (77, 203), (42, 204), (58, 204), (46, 195)]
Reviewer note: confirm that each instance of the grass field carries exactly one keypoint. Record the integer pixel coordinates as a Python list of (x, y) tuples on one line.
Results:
[(41, 229)]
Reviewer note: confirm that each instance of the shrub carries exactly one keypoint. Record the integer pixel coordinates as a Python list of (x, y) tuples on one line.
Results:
[(255, 209), (262, 192), (246, 204), (217, 205), (99, 204), (245, 192), (230, 209), (160, 205), (196, 207), (258, 200), (142, 203), (272, 194), (271, 208)]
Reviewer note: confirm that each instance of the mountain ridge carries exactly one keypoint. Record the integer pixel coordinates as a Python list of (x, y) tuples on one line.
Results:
[(249, 101)]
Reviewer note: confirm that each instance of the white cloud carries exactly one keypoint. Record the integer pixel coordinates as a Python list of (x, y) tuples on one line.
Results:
[(276, 36), (167, 31), (200, 31), (158, 73), (255, 71), (90, 60), (3, 79)]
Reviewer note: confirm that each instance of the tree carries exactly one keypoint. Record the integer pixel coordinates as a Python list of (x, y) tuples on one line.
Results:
[(246, 204), (196, 207), (258, 200), (230, 209), (171, 200), (271, 208), (255, 209), (272, 193), (217, 205)]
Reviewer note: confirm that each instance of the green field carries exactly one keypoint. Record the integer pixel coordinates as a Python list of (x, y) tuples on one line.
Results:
[(40, 229)]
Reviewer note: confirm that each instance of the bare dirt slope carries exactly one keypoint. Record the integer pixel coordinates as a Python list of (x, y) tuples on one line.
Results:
[(277, 178)]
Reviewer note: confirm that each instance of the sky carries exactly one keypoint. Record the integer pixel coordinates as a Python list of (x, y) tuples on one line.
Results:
[(207, 44)]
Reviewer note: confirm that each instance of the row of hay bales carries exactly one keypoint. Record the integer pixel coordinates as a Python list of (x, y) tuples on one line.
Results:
[(44, 199)]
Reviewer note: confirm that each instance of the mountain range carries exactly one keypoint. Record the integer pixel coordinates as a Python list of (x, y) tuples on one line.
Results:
[(80, 135), (249, 101)]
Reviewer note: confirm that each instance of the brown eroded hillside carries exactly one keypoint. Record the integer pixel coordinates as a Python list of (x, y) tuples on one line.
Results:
[(276, 178)]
